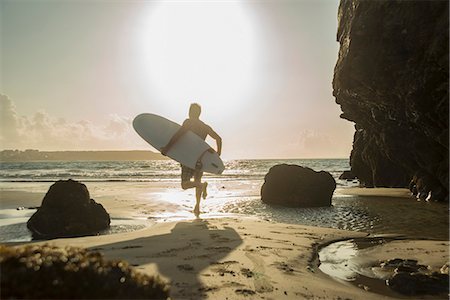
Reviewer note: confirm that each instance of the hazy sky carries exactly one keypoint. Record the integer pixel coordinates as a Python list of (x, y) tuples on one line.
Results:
[(75, 73)]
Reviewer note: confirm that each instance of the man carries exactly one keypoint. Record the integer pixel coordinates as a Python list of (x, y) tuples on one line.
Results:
[(194, 124)]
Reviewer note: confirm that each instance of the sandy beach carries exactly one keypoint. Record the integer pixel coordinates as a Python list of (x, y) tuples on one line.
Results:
[(231, 258), (235, 256)]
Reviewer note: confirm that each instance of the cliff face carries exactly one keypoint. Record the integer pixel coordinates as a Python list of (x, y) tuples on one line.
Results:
[(391, 80)]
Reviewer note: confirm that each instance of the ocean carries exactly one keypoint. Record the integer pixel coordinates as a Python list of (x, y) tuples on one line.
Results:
[(153, 170), (151, 191)]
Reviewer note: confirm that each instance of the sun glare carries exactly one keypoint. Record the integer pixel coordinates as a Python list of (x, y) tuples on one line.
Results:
[(198, 51)]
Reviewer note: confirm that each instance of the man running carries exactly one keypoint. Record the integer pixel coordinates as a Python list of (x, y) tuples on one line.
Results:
[(194, 124)]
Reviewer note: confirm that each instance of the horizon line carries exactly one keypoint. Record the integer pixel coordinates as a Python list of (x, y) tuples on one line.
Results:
[(157, 152)]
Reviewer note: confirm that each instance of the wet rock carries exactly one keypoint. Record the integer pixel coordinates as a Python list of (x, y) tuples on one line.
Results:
[(391, 80), (406, 269), (67, 210), (347, 175), (414, 284), (296, 186), (47, 272), (425, 187), (413, 279), (400, 263)]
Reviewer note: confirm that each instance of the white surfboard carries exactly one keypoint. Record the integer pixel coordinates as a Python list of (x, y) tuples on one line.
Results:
[(157, 131)]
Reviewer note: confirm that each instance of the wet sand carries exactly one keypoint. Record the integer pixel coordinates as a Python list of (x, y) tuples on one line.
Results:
[(376, 192), (375, 210)]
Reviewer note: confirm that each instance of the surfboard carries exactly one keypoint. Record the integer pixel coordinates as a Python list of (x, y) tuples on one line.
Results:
[(190, 148)]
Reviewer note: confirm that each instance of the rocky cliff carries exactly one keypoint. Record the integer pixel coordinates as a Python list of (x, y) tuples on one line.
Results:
[(391, 80)]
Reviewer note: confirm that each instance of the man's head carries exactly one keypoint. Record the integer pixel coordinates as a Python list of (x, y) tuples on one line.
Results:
[(194, 111)]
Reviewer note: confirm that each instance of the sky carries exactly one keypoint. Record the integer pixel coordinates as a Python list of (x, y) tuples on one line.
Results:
[(74, 74)]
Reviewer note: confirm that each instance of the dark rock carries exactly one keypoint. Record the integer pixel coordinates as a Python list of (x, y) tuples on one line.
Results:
[(296, 186), (426, 187), (399, 263), (413, 279), (46, 272), (347, 175), (414, 284), (391, 80), (406, 269), (67, 210)]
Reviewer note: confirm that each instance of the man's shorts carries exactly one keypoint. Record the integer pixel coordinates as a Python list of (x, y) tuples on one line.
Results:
[(188, 173)]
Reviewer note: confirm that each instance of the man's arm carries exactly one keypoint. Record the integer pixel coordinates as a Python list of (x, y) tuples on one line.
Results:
[(218, 139), (183, 129)]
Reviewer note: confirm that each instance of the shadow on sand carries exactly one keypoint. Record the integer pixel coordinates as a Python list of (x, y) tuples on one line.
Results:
[(181, 255)]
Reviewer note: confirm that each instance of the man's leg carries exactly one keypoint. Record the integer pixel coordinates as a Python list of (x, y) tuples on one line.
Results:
[(189, 184), (200, 190), (186, 175), (198, 185)]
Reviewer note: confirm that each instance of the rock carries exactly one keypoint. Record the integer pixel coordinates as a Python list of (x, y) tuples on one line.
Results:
[(347, 175), (412, 279), (296, 186), (391, 80), (426, 187), (402, 263), (67, 210), (415, 284), (47, 272)]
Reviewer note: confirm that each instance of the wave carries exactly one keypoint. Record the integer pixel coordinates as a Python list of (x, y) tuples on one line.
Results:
[(147, 179)]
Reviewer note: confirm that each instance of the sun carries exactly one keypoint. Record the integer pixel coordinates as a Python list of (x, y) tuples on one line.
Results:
[(198, 52)]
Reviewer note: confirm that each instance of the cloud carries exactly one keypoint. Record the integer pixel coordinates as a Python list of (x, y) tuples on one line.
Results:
[(45, 132), (313, 140), (9, 119), (311, 143), (117, 125)]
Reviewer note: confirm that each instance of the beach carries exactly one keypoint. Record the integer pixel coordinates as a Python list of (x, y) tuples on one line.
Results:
[(104, 105), (139, 204), (231, 255)]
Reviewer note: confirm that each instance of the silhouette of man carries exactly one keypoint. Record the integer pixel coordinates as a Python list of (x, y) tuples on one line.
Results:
[(194, 124)]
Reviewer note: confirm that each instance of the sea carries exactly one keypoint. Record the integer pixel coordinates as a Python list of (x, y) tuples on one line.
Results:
[(152, 170), (236, 192)]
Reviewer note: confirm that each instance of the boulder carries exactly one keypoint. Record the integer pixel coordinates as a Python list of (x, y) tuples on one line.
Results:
[(67, 210), (408, 277), (347, 175), (297, 186), (392, 80), (48, 272), (426, 187), (418, 284)]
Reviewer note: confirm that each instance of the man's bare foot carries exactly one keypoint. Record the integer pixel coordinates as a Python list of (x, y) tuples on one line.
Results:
[(196, 211), (204, 191)]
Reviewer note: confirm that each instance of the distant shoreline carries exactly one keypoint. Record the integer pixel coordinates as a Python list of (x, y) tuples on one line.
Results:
[(37, 156), (32, 155)]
